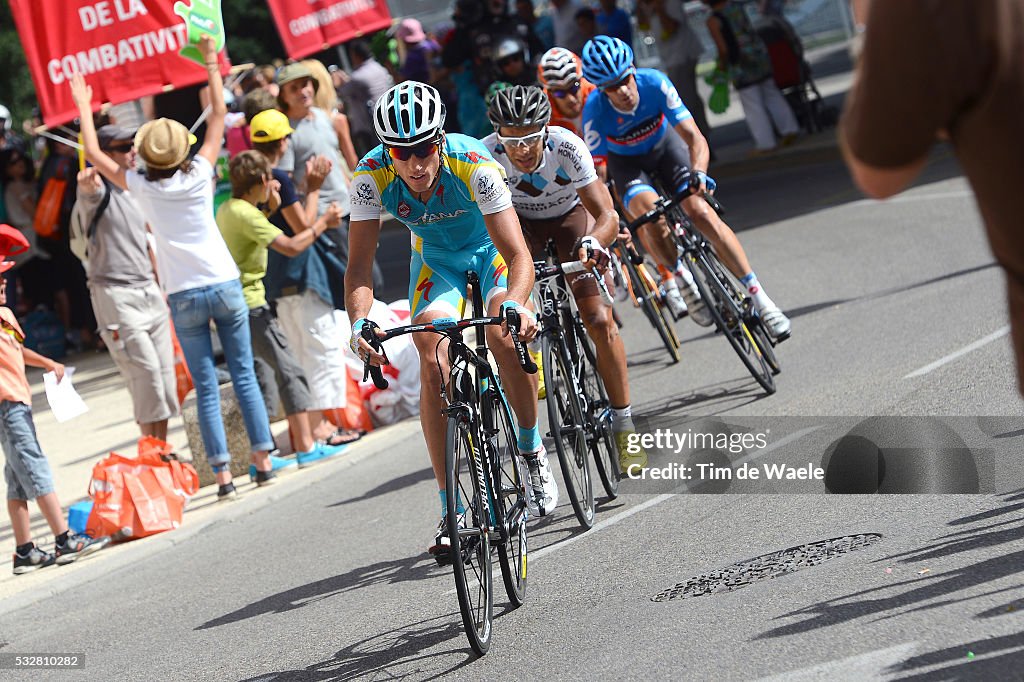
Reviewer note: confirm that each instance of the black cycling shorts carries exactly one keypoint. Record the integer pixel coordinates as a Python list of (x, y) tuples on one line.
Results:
[(665, 164)]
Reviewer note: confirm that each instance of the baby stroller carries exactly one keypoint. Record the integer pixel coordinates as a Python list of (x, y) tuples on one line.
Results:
[(793, 75)]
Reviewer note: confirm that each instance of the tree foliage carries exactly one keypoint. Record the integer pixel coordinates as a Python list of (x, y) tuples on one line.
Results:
[(16, 90)]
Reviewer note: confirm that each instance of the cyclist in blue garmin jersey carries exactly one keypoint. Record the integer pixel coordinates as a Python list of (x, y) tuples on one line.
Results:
[(453, 197), (630, 124)]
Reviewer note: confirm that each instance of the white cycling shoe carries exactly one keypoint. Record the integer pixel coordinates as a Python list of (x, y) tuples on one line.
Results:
[(542, 481), (776, 322), (674, 301), (699, 312)]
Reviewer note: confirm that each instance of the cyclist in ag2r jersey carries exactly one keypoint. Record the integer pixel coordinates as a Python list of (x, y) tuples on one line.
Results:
[(639, 124), (452, 195)]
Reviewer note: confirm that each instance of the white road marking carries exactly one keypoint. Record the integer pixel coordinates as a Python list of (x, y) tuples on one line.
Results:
[(872, 665), (998, 334)]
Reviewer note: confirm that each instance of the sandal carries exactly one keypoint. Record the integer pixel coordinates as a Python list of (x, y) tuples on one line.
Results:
[(344, 436)]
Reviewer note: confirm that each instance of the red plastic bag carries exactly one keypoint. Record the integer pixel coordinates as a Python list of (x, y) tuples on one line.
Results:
[(138, 496), (181, 373), (354, 415)]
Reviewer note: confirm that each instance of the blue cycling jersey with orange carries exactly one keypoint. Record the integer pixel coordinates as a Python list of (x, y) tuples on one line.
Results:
[(608, 130)]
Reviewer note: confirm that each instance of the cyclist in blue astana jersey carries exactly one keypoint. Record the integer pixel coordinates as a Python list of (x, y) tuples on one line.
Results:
[(639, 124), (453, 197)]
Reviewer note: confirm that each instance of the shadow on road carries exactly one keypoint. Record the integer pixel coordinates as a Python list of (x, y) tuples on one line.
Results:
[(379, 573), (390, 655), (933, 591), (967, 660), (390, 486), (724, 395)]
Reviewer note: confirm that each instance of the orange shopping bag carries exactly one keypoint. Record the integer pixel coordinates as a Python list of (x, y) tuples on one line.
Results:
[(181, 373), (138, 496)]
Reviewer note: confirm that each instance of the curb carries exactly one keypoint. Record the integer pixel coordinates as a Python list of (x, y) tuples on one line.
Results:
[(95, 568)]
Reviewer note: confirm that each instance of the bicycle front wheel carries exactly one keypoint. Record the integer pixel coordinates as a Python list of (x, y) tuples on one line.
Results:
[(599, 413), (647, 295), (510, 480), (727, 312), (467, 531), (565, 419)]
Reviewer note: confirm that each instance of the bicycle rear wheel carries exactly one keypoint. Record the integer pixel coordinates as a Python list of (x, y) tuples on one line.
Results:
[(508, 472), (470, 541), (726, 310), (650, 303), (599, 413), (566, 421)]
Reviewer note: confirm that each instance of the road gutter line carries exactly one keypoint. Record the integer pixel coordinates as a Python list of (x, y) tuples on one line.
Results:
[(998, 334)]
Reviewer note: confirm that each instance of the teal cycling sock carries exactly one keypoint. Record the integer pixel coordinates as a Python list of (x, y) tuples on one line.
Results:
[(529, 439), (444, 502)]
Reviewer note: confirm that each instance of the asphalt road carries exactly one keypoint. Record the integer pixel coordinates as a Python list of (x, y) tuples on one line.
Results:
[(333, 583)]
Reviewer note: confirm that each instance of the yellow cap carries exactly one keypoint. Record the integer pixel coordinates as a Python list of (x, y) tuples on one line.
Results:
[(268, 126)]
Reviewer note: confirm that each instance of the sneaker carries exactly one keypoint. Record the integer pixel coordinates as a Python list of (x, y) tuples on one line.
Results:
[(699, 312), (674, 301), (320, 451), (545, 489), (78, 546), (262, 478), (542, 391), (35, 559), (275, 464), (776, 323), (227, 493), (627, 458)]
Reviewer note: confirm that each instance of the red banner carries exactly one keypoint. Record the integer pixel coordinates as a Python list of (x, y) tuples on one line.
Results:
[(308, 26), (126, 49)]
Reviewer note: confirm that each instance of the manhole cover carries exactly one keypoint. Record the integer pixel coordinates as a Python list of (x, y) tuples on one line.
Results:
[(767, 566)]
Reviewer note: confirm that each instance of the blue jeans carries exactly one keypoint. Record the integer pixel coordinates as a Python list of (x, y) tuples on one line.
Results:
[(192, 311), (26, 470)]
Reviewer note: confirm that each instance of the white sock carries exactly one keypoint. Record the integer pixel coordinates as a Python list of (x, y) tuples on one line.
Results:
[(622, 418), (761, 300)]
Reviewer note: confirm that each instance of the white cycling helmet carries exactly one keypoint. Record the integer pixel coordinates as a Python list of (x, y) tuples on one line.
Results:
[(559, 67), (5, 119), (408, 114)]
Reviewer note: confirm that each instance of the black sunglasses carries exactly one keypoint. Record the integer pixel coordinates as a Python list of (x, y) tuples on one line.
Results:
[(619, 83), (120, 148)]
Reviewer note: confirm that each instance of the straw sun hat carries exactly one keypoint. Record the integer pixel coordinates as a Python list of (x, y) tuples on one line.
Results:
[(163, 143)]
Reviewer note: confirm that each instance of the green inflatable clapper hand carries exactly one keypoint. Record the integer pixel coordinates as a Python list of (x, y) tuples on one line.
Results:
[(719, 82), (202, 18)]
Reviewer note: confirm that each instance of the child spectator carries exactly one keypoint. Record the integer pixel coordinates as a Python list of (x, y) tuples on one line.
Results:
[(248, 234), (26, 471)]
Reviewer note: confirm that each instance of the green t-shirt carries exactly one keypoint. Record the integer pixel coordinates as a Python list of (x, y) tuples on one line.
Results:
[(247, 232)]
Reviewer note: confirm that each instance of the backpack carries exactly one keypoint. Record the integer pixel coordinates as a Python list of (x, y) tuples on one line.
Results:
[(81, 233)]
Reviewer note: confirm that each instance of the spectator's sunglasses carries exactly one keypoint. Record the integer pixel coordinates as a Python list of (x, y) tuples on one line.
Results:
[(619, 83), (423, 150), (505, 61), (120, 148), (524, 141), (561, 93)]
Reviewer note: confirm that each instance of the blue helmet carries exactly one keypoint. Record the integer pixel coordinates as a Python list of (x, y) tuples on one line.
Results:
[(606, 60)]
